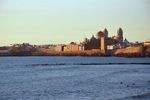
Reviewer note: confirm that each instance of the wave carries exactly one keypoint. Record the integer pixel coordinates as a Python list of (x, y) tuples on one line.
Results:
[(144, 96), (57, 64)]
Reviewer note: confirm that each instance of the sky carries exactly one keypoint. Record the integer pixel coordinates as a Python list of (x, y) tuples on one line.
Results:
[(63, 21)]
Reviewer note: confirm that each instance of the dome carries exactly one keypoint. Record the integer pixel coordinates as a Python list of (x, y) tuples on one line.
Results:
[(99, 34)]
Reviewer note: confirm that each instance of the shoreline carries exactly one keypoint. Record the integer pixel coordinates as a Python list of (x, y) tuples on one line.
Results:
[(70, 56), (138, 51)]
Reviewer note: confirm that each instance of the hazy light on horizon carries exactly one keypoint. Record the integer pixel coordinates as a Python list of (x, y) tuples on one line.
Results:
[(63, 21)]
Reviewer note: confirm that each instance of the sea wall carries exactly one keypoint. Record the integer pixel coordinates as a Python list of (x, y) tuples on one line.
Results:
[(130, 51), (147, 51), (70, 53), (138, 51)]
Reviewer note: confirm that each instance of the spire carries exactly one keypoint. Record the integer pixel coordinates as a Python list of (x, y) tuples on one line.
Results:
[(120, 31), (120, 35), (105, 32)]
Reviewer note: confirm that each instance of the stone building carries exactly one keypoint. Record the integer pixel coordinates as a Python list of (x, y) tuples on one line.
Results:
[(73, 47), (70, 47), (102, 36)]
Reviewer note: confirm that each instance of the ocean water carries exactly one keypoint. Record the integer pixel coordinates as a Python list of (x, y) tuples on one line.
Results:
[(74, 78)]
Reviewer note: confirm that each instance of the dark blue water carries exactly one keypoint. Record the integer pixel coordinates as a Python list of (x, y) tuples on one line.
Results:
[(74, 78)]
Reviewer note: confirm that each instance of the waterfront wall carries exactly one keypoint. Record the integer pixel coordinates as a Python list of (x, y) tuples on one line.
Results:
[(130, 51)]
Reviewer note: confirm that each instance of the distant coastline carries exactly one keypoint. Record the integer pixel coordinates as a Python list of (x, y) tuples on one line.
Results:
[(138, 51), (99, 45)]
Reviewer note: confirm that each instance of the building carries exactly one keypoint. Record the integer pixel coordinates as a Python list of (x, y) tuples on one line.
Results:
[(4, 50), (59, 48), (147, 43), (73, 47), (111, 47), (92, 43), (102, 41)]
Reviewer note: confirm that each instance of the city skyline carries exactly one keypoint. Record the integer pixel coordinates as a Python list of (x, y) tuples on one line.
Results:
[(56, 22)]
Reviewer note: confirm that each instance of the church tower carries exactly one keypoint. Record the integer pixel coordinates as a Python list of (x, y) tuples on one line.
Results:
[(105, 32), (120, 35)]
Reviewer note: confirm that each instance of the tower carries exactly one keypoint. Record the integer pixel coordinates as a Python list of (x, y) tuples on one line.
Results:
[(103, 47), (120, 35), (105, 32)]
